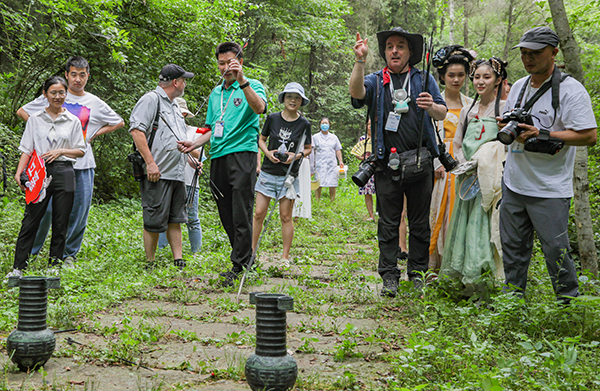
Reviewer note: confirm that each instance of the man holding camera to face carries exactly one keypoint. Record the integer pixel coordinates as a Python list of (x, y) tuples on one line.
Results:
[(396, 101), (548, 114), (156, 124)]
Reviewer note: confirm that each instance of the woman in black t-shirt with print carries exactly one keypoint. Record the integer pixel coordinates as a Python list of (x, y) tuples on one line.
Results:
[(284, 131)]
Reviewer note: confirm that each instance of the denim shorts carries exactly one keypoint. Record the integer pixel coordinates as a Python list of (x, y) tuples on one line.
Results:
[(270, 185)]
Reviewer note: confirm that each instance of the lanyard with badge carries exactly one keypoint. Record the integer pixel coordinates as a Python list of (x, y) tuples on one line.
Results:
[(400, 101), (220, 124)]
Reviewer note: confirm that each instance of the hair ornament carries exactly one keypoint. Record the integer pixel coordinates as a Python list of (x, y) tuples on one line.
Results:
[(498, 66), (443, 55)]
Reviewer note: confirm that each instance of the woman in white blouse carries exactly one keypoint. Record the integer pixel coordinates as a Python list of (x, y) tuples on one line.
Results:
[(57, 137)]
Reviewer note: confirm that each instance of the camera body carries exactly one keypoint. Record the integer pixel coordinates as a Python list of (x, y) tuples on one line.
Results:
[(283, 157), (137, 163), (366, 170), (511, 131), (446, 159), (24, 178)]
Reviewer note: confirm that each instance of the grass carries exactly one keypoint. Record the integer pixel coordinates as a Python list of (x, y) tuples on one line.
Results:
[(344, 335)]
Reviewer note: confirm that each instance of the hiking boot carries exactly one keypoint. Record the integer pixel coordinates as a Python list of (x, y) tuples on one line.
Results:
[(390, 287), (180, 263), (228, 278)]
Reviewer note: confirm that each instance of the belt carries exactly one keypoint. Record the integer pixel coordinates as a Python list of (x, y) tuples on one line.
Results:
[(60, 163)]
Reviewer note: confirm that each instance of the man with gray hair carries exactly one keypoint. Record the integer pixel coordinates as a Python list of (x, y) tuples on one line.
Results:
[(156, 124)]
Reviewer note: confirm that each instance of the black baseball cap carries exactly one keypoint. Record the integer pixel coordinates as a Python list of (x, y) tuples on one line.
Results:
[(172, 71), (538, 38)]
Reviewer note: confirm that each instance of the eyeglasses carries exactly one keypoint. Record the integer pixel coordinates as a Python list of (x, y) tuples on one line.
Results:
[(59, 93)]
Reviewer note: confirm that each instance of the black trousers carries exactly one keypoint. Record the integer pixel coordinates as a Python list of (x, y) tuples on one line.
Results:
[(390, 202), (235, 177), (61, 191)]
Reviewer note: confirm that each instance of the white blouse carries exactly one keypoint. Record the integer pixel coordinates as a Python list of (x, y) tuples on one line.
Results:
[(43, 134)]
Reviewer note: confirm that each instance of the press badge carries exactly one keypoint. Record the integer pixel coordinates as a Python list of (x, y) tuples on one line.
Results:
[(218, 129), (392, 122)]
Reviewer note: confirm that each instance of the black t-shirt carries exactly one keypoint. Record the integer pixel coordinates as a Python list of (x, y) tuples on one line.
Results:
[(279, 131), (407, 136)]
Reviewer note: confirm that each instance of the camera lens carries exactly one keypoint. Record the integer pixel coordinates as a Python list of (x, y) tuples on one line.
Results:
[(509, 133), (364, 173)]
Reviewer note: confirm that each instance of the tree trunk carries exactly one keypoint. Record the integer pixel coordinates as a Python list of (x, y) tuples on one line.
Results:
[(583, 219), (451, 19), (509, 25), (466, 36)]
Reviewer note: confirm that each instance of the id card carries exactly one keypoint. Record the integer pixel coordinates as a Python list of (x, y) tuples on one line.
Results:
[(218, 130), (392, 122)]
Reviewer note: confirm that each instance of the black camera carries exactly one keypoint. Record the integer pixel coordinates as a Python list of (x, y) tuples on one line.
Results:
[(446, 159), (137, 163), (366, 169), (283, 157), (511, 131), (24, 178)]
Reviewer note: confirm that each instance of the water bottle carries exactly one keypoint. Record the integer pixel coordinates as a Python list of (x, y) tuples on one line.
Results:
[(394, 161)]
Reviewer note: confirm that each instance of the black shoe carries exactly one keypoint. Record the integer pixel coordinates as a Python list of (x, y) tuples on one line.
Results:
[(180, 263), (418, 283), (390, 287), (228, 278), (149, 266)]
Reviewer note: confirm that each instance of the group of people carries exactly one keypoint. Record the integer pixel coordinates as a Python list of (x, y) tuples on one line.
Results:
[(476, 219), (514, 152), (60, 126)]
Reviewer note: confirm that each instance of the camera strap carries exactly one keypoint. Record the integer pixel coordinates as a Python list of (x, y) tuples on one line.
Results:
[(367, 133), (557, 78), (154, 125)]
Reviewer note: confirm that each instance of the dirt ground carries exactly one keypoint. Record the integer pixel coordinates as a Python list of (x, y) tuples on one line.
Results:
[(210, 359)]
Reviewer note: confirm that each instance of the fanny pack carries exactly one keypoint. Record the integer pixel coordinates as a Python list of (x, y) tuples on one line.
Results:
[(414, 166)]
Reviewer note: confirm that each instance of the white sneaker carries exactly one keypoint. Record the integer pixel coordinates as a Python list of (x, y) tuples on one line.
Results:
[(14, 273), (69, 262), (286, 262), (53, 271)]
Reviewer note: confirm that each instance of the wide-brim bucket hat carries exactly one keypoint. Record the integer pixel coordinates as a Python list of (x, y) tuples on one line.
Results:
[(415, 41), (296, 88)]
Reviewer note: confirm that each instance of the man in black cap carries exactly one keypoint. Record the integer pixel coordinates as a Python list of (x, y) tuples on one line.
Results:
[(156, 124), (537, 186), (395, 99)]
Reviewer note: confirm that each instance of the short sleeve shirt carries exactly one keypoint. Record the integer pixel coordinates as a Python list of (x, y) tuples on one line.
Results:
[(171, 128), (538, 174), (281, 132), (43, 134), (241, 123), (93, 114)]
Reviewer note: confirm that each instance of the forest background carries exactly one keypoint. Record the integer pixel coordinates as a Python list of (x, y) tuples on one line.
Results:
[(128, 41)]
